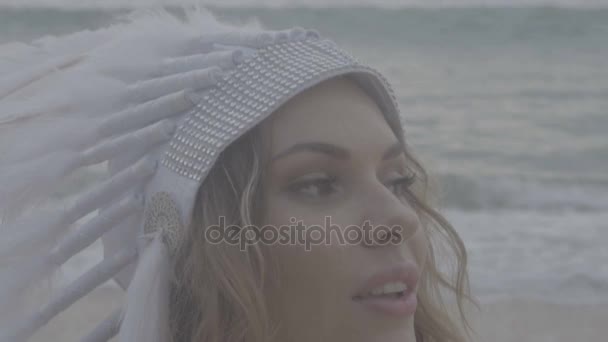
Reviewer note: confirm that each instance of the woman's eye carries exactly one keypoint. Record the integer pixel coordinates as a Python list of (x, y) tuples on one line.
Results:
[(401, 185), (315, 187)]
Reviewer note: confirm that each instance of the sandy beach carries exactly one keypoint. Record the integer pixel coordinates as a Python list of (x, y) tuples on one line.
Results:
[(498, 321)]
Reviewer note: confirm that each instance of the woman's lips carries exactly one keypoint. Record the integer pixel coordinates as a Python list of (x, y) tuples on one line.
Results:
[(404, 305), (401, 304)]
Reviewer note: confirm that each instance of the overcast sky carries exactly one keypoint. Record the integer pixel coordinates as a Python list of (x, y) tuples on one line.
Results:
[(392, 3)]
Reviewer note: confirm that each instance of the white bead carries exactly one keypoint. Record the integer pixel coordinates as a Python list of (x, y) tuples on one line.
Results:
[(248, 93)]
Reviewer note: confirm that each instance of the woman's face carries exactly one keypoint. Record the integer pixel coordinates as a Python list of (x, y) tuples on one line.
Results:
[(335, 157)]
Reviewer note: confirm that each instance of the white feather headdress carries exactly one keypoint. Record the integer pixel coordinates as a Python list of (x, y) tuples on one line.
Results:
[(150, 105)]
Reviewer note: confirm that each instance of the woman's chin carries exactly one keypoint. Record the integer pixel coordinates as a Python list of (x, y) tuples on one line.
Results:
[(392, 335), (383, 328)]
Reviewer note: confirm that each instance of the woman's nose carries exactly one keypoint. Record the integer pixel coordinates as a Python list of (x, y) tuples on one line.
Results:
[(389, 219)]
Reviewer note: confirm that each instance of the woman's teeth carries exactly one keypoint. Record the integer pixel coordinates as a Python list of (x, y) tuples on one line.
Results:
[(395, 288)]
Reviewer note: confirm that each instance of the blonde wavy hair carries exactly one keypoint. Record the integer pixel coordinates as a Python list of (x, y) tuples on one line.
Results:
[(217, 294)]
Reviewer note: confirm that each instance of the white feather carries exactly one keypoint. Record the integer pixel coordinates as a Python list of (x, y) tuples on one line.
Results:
[(105, 330), (22, 182), (146, 315), (56, 97)]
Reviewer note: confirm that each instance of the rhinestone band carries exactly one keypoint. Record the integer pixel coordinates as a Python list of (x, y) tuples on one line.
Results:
[(249, 93)]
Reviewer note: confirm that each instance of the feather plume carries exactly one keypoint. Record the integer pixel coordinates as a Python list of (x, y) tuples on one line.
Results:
[(147, 308), (68, 106)]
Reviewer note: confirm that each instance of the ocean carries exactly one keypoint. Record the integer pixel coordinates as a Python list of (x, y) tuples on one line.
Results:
[(506, 106)]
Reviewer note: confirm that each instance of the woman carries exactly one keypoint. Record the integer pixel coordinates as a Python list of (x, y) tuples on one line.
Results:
[(213, 139)]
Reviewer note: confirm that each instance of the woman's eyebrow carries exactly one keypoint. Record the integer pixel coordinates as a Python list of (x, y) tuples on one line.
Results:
[(318, 147), (335, 151)]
